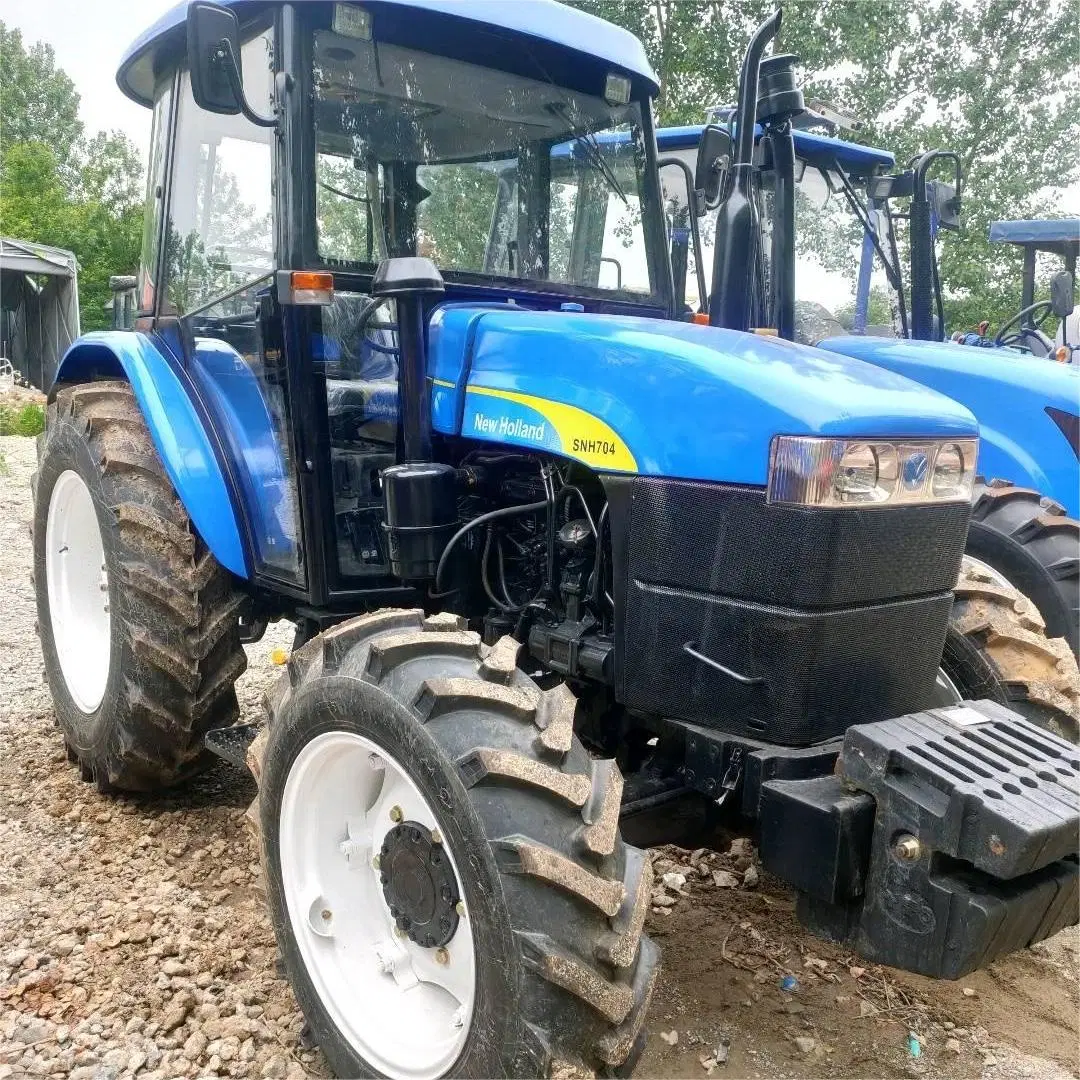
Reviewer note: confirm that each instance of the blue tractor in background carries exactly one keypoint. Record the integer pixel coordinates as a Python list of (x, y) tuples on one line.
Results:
[(553, 553)]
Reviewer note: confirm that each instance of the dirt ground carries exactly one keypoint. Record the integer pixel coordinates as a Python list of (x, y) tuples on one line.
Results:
[(131, 941)]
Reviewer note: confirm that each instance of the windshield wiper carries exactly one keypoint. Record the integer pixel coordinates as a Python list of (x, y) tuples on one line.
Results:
[(587, 141)]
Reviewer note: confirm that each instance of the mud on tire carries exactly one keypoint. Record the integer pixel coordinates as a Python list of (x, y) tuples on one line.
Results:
[(556, 900), (175, 647), (1029, 540), (997, 648)]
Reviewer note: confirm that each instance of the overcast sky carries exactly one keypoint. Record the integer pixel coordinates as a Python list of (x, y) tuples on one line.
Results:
[(89, 37)]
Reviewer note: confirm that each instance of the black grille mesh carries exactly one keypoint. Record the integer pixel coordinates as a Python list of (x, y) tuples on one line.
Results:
[(729, 541), (835, 616)]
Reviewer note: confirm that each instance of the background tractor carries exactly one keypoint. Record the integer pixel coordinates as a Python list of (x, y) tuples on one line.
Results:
[(552, 553)]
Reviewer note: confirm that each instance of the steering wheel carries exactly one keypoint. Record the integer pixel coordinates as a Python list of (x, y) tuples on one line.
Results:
[(1036, 315)]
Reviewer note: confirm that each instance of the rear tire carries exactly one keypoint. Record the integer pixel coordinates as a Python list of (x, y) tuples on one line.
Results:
[(1030, 542), (997, 648), (173, 650), (555, 900)]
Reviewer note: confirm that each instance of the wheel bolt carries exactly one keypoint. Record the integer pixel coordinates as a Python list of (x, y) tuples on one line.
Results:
[(396, 813), (907, 847), (436, 836), (442, 957), (326, 914)]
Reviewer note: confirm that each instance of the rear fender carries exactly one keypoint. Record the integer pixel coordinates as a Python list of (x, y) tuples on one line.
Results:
[(184, 443)]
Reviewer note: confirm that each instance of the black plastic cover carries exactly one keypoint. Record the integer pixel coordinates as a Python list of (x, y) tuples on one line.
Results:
[(778, 623), (406, 274)]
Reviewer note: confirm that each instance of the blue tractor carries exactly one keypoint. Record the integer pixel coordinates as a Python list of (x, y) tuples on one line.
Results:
[(553, 554)]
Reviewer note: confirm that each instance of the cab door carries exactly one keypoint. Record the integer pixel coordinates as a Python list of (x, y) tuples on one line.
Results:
[(216, 308)]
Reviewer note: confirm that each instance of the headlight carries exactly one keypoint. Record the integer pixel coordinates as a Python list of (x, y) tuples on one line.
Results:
[(811, 471)]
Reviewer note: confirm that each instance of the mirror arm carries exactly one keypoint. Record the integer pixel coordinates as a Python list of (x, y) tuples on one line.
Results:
[(223, 54)]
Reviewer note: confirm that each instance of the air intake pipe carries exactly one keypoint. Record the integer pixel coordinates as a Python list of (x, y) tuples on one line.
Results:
[(735, 223), (419, 495)]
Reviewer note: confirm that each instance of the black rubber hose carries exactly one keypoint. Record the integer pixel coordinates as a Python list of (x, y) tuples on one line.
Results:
[(483, 519)]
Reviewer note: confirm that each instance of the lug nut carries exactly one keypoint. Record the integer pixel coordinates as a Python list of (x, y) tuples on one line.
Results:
[(907, 847), (436, 836), (326, 914), (459, 907), (396, 813), (442, 957), (376, 862)]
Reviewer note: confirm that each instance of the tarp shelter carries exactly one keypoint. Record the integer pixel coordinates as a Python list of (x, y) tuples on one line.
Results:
[(39, 308)]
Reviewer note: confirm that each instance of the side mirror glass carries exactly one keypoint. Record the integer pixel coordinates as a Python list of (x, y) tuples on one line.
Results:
[(1061, 294), (713, 159), (213, 45)]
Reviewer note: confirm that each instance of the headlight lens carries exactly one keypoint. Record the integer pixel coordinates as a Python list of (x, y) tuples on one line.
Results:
[(859, 473), (954, 472), (811, 471)]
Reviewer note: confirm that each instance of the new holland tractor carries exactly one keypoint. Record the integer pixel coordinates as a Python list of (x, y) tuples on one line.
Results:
[(551, 552), (1024, 537)]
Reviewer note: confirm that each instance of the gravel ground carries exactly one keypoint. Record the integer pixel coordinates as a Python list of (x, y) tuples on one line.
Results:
[(133, 940)]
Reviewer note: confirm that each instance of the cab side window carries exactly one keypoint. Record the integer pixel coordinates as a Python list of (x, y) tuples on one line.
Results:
[(220, 232)]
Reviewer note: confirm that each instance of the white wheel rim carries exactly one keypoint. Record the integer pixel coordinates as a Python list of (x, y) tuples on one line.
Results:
[(398, 1007), (78, 588)]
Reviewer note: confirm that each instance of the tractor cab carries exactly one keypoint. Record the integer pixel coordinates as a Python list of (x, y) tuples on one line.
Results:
[(523, 170), (1026, 328)]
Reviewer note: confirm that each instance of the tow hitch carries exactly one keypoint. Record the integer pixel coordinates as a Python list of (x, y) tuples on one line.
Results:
[(945, 839)]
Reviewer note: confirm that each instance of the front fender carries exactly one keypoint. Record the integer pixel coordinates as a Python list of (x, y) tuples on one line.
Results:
[(179, 433)]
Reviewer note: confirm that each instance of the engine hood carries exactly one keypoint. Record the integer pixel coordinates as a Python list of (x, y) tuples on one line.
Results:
[(660, 398)]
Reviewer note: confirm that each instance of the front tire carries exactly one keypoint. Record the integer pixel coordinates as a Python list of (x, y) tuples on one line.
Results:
[(553, 900), (138, 622)]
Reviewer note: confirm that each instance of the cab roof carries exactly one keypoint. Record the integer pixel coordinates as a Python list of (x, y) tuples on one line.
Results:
[(1056, 234), (546, 21), (811, 147)]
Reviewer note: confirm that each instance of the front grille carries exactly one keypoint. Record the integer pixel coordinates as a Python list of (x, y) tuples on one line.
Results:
[(803, 621)]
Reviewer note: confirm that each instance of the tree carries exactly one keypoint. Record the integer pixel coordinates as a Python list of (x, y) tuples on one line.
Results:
[(59, 188), (995, 80), (38, 102)]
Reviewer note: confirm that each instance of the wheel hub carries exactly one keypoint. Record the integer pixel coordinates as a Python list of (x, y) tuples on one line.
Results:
[(419, 884)]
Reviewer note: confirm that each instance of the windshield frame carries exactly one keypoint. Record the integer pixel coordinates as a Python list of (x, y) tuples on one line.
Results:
[(298, 242)]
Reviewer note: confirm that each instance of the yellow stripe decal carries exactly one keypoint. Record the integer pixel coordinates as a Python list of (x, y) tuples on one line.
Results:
[(583, 436)]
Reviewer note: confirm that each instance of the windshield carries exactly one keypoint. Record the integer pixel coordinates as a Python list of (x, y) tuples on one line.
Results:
[(487, 173)]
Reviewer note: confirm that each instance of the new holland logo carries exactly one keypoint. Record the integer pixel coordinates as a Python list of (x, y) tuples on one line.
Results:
[(505, 427)]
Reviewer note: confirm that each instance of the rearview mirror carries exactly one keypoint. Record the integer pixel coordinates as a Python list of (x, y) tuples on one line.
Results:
[(1061, 294), (213, 45), (713, 159)]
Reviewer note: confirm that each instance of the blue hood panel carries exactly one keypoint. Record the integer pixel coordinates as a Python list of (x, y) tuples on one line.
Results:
[(660, 398), (1008, 391)]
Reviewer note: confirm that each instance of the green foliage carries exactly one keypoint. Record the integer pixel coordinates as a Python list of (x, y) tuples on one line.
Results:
[(879, 313), (29, 420), (40, 103), (59, 188), (996, 81)]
